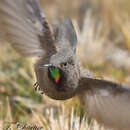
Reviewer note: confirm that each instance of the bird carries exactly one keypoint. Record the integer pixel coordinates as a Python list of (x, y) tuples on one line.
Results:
[(59, 73)]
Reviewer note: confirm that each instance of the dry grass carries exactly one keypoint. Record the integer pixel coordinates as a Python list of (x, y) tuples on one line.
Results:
[(100, 40)]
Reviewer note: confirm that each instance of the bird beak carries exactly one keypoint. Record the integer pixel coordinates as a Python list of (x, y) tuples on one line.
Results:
[(47, 65)]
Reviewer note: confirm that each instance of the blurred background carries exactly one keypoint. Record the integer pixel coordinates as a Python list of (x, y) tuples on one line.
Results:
[(103, 29)]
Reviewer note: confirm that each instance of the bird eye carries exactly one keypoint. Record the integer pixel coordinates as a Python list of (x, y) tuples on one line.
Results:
[(64, 64)]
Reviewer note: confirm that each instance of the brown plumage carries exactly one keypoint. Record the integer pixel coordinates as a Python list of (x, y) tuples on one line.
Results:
[(58, 71), (24, 26), (105, 101)]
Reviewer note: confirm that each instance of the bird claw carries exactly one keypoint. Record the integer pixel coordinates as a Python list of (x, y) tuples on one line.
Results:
[(42, 92), (37, 88)]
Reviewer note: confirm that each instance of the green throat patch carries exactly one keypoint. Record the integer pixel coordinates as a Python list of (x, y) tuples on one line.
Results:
[(55, 73)]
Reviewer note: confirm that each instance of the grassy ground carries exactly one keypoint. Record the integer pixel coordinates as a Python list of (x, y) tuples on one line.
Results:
[(20, 103)]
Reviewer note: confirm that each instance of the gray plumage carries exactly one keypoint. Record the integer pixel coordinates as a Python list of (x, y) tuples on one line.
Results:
[(107, 102), (24, 26)]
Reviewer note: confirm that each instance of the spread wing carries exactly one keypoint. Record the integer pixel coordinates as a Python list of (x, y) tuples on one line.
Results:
[(107, 102), (23, 24)]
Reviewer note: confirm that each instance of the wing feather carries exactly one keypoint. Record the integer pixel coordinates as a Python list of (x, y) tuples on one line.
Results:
[(107, 102), (23, 24)]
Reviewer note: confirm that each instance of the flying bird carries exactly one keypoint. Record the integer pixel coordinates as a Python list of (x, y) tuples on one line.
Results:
[(59, 73)]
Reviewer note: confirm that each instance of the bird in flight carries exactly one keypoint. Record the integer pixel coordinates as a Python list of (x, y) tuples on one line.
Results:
[(58, 71)]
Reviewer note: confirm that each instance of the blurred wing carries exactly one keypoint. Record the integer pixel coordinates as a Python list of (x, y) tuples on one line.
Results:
[(107, 102), (65, 33), (24, 26)]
